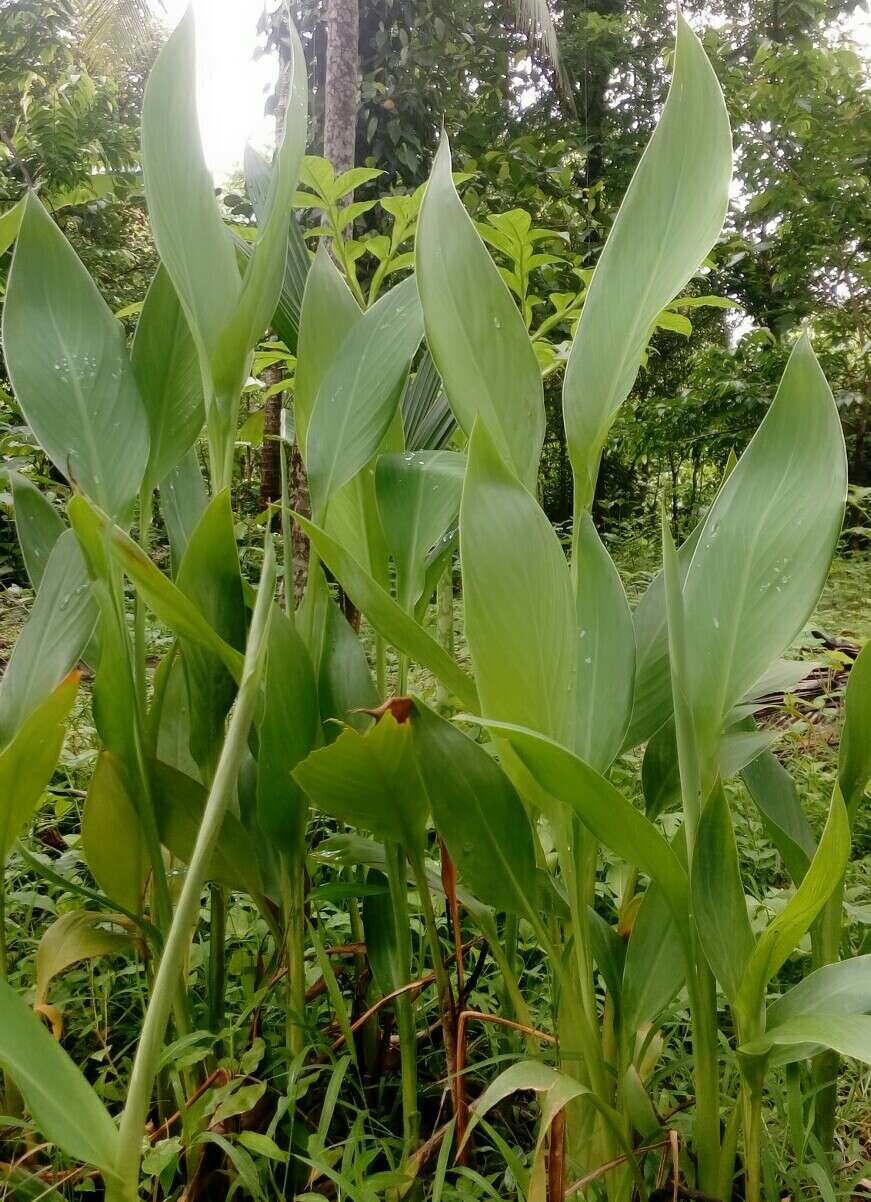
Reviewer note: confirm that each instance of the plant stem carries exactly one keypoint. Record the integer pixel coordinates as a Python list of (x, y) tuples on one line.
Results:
[(217, 955), (286, 530), (294, 917), (443, 981), (184, 922), (751, 1096), (396, 876)]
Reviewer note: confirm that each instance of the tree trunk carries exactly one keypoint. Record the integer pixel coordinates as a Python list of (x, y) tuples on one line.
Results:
[(340, 112)]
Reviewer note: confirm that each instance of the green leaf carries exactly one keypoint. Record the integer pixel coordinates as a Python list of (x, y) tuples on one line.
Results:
[(64, 1106), (474, 330), (10, 223), (370, 781), (210, 577), (655, 965), (606, 651), (56, 632), (183, 501), (163, 597), (719, 904), (478, 814), (603, 809), (344, 680), (774, 792), (847, 1034), (192, 240), (841, 988), (329, 313), (37, 524), (288, 730), (264, 272), (68, 362), (167, 372), (783, 933), (670, 218), (520, 612), (418, 499), (387, 617), (29, 760), (359, 394), (652, 705), (76, 935), (660, 774), (112, 839), (766, 544), (179, 803), (854, 758)]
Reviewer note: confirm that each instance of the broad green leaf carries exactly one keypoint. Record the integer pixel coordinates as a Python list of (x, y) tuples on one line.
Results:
[(56, 632), (671, 216), (287, 730), (77, 935), (719, 904), (606, 651), (660, 774), (738, 748), (559, 1089), (179, 803), (370, 781), (693, 789), (167, 372), (10, 223), (64, 1106), (264, 272), (652, 705), (418, 498), (854, 760), (842, 988), (68, 362), (209, 575), (29, 760), (379, 928), (387, 617), (112, 839), (37, 524), (329, 313), (478, 814), (359, 394), (519, 608), (115, 702), (655, 965), (345, 682), (774, 792), (603, 809), (163, 597), (183, 501), (784, 932), (192, 240), (766, 544), (474, 330), (848, 1034)]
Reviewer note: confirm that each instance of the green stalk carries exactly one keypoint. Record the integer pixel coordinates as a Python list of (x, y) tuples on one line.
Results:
[(752, 1107), (445, 624), (294, 917), (286, 531), (396, 875), (139, 657), (126, 1187), (217, 955)]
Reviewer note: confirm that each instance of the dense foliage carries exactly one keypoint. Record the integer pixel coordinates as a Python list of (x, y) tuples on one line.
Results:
[(534, 879)]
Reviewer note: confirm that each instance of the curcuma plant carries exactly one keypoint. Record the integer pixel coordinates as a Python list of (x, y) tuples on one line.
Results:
[(420, 420)]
